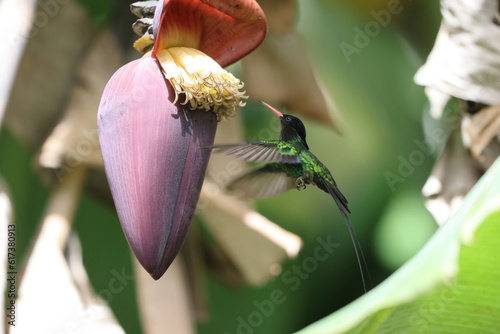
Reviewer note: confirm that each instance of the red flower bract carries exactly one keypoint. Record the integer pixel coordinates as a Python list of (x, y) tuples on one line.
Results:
[(154, 161), (224, 30)]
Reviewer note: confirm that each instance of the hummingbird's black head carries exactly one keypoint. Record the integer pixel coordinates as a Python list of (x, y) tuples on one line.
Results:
[(292, 126)]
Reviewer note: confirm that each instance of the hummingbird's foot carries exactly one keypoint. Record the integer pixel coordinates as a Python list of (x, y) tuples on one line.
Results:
[(300, 183)]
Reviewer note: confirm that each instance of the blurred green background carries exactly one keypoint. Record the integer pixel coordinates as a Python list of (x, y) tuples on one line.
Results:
[(382, 111)]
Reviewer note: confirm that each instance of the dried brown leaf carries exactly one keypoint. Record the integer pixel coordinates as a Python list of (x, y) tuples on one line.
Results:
[(280, 15), (14, 35), (54, 50), (165, 305), (256, 245), (453, 175), (484, 132), (465, 59), (74, 139), (54, 294), (280, 73)]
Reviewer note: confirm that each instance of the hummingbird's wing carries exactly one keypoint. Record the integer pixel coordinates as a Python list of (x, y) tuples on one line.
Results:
[(266, 152), (262, 182)]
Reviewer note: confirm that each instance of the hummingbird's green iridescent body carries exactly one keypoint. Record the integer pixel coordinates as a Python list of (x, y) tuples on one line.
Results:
[(288, 164)]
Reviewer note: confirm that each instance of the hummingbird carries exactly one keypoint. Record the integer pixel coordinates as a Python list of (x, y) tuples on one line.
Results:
[(287, 164)]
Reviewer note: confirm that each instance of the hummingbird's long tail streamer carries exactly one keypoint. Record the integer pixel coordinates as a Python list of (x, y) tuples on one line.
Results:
[(354, 237), (359, 251)]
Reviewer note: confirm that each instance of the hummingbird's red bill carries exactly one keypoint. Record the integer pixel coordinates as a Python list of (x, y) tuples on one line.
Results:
[(277, 112)]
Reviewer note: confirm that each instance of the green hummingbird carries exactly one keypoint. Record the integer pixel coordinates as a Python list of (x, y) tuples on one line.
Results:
[(288, 164)]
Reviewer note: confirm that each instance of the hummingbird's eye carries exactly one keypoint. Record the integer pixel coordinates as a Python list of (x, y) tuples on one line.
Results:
[(288, 119)]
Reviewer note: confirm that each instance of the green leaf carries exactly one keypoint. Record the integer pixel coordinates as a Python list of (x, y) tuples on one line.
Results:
[(451, 286)]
